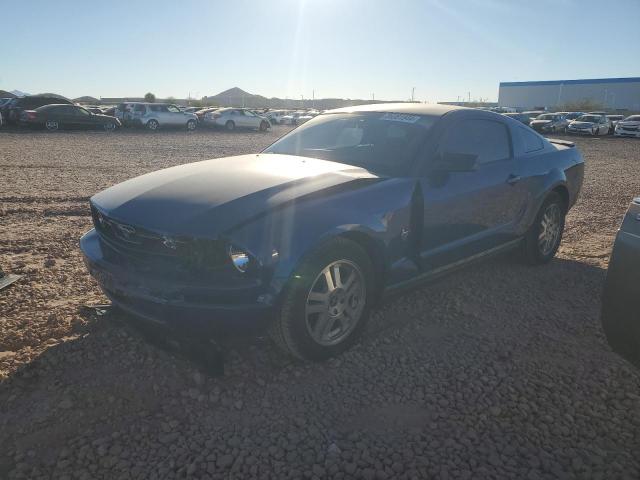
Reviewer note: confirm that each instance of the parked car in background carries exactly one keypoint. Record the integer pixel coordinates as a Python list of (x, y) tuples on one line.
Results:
[(191, 109), (203, 111), (549, 123), (305, 117), (520, 117), (533, 114), (621, 297), (155, 115), (628, 127), (232, 118), (275, 116), (111, 111), (12, 110), (355, 204), (571, 115), (589, 124), (94, 109), (613, 120), (57, 117)]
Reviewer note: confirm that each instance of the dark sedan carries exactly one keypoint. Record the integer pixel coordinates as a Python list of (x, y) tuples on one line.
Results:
[(13, 109), (56, 117), (355, 204), (621, 298)]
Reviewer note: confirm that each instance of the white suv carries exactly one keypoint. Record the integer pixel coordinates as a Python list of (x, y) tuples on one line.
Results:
[(155, 115)]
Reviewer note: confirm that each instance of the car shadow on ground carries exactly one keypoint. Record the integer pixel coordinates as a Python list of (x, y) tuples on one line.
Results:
[(485, 291), (494, 313)]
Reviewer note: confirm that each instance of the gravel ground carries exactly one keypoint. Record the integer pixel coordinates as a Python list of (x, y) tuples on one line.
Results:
[(499, 371)]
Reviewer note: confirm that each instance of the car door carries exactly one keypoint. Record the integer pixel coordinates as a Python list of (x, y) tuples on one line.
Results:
[(174, 115), (469, 211), (82, 117), (251, 119)]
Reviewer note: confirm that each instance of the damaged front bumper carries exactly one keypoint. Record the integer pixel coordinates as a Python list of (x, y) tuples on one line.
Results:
[(177, 303)]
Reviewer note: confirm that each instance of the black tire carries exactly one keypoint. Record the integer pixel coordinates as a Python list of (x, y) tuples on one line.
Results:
[(264, 126), (594, 131), (534, 253), (230, 125), (290, 329), (109, 127), (191, 125), (153, 125)]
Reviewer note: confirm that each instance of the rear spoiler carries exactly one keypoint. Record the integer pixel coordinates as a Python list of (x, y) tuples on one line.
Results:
[(564, 143)]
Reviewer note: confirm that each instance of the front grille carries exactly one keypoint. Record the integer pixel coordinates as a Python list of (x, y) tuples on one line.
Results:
[(151, 252)]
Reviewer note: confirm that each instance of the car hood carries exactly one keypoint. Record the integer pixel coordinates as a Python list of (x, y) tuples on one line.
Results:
[(622, 123), (207, 198), (541, 122)]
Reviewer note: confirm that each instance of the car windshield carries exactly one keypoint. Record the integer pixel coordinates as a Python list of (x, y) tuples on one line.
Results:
[(589, 118), (384, 143), (547, 116)]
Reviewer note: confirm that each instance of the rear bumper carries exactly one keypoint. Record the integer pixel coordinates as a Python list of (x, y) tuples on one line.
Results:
[(172, 305)]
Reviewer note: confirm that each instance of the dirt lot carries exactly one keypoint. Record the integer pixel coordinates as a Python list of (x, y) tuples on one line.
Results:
[(499, 371)]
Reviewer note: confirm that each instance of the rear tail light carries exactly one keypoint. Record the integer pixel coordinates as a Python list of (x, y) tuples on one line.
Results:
[(30, 114)]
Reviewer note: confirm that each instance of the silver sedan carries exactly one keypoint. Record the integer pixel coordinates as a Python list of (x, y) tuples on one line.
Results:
[(232, 118)]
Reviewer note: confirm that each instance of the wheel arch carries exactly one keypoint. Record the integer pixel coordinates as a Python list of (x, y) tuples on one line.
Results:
[(374, 251), (562, 190)]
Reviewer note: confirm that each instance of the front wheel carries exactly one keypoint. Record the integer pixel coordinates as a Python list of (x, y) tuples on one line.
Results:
[(153, 125), (595, 131), (327, 302), (109, 127), (264, 126), (544, 236), (230, 126), (191, 125)]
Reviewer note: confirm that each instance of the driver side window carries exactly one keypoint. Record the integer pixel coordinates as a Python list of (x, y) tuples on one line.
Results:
[(173, 109)]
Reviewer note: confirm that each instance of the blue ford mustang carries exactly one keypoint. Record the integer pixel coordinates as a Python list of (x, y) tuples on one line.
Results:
[(304, 237)]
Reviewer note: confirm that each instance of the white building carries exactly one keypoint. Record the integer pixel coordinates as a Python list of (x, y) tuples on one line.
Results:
[(610, 93)]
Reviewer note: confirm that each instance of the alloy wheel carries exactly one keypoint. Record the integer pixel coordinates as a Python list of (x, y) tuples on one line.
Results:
[(550, 229), (51, 125), (335, 302)]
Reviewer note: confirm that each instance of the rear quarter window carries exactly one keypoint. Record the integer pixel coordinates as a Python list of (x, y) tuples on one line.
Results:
[(531, 142)]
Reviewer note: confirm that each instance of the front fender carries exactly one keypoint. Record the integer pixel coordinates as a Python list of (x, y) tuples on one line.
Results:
[(283, 237)]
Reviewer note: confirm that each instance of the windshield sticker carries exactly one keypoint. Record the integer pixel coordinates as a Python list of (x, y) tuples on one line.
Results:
[(400, 117)]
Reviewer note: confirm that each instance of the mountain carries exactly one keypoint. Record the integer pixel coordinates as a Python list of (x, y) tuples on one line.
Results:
[(5, 94), (236, 97), (18, 93), (87, 99)]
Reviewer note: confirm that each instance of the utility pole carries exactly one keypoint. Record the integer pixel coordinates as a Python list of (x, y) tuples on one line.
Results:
[(373, 96), (313, 99), (469, 93), (413, 90)]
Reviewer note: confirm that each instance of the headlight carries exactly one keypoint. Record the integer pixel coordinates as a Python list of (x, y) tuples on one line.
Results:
[(240, 259)]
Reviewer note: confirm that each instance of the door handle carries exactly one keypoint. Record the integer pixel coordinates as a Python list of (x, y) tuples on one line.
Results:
[(513, 179)]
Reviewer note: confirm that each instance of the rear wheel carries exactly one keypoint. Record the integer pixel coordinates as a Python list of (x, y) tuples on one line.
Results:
[(327, 302), (52, 125), (264, 126), (230, 125), (109, 127), (153, 125), (191, 125), (544, 236)]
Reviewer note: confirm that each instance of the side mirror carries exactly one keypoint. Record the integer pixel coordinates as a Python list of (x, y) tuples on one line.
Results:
[(455, 162)]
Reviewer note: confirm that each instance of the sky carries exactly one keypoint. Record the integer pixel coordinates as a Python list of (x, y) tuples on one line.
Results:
[(444, 49)]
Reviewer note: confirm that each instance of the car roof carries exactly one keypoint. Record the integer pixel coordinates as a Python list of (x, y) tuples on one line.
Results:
[(410, 108)]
